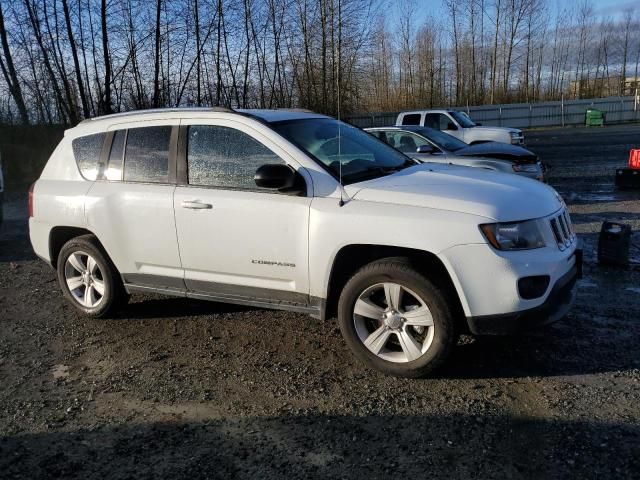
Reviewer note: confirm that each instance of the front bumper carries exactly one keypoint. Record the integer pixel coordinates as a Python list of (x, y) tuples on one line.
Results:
[(555, 307)]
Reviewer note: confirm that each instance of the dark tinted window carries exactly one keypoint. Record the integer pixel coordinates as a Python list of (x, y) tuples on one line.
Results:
[(225, 157), (116, 156), (147, 155), (87, 150), (438, 121), (411, 119)]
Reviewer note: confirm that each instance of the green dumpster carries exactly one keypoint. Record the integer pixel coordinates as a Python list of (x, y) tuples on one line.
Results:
[(594, 117)]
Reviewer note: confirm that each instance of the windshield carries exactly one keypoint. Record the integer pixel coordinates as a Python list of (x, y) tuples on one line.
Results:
[(441, 139), (362, 156), (462, 119)]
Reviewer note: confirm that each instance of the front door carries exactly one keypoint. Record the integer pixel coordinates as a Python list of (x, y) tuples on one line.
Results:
[(444, 123), (238, 241)]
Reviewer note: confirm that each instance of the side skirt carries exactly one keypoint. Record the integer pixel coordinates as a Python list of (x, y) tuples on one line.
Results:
[(316, 310)]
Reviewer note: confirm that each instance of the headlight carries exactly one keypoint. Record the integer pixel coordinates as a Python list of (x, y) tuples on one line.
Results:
[(527, 168), (514, 235)]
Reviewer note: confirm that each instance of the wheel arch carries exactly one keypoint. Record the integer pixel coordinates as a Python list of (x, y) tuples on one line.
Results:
[(351, 258), (60, 235)]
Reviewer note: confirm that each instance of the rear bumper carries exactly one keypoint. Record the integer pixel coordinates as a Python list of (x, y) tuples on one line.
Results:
[(39, 236), (556, 306)]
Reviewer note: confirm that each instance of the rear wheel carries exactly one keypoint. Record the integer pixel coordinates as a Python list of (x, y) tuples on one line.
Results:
[(88, 278), (396, 320)]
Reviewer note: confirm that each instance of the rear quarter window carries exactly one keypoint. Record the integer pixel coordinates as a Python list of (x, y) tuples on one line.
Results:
[(411, 119), (86, 151)]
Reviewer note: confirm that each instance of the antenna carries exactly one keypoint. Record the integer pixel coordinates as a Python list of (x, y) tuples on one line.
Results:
[(341, 203)]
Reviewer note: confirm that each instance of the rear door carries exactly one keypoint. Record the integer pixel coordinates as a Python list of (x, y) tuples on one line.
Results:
[(130, 206), (238, 241)]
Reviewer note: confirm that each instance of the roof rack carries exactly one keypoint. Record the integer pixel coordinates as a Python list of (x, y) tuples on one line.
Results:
[(132, 113)]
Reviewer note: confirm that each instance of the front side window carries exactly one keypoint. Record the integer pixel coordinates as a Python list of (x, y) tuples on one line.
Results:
[(342, 148), (438, 121), (86, 151), (146, 157), (225, 157)]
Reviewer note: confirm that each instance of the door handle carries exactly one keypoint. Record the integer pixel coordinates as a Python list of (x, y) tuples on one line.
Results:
[(196, 205)]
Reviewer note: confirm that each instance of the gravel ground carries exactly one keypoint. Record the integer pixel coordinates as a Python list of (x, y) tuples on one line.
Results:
[(177, 388)]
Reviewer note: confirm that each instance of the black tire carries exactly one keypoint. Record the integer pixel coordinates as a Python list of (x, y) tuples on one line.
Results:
[(114, 293), (437, 300)]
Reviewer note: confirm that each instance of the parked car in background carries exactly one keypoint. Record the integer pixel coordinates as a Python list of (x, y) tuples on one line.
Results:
[(299, 211), (459, 125), (429, 145)]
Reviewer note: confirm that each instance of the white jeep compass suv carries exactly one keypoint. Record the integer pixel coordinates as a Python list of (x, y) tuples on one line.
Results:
[(298, 211)]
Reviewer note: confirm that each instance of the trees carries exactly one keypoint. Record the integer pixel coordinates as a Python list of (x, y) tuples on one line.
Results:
[(64, 60), (9, 72)]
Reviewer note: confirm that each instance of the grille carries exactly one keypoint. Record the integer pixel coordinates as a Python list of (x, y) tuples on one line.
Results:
[(562, 230)]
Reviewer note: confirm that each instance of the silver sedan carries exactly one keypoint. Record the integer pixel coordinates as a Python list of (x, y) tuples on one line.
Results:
[(428, 145)]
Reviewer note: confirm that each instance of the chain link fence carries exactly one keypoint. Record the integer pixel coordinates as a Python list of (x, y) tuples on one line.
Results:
[(528, 115)]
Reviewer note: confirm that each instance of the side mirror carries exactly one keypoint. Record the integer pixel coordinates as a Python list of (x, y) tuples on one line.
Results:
[(451, 126), (425, 149), (276, 177)]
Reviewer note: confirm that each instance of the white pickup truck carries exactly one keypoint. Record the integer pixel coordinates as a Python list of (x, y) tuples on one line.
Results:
[(459, 125)]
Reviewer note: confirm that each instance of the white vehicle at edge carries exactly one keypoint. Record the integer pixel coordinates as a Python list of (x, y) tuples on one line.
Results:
[(460, 126), (246, 207)]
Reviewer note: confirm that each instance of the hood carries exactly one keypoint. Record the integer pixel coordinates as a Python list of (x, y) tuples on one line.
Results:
[(498, 196), (498, 129), (501, 151)]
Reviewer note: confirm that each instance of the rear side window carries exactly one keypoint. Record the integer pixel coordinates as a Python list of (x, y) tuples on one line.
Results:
[(411, 119), (86, 151), (406, 142), (146, 157), (226, 158)]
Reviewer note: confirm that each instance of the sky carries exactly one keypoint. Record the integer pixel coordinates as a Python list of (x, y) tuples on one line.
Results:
[(435, 8)]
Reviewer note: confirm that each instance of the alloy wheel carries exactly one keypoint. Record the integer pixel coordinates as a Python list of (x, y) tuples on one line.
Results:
[(84, 279), (393, 322)]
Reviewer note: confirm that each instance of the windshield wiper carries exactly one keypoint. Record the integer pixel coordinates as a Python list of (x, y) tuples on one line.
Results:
[(377, 171), (366, 174), (397, 168)]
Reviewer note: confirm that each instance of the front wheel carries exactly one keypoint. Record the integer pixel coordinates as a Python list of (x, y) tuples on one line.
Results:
[(396, 320)]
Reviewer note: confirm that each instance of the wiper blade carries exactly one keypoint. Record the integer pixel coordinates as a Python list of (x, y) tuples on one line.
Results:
[(365, 174), (397, 168)]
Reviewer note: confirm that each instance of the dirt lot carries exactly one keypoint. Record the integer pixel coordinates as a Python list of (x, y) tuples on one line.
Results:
[(179, 388)]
